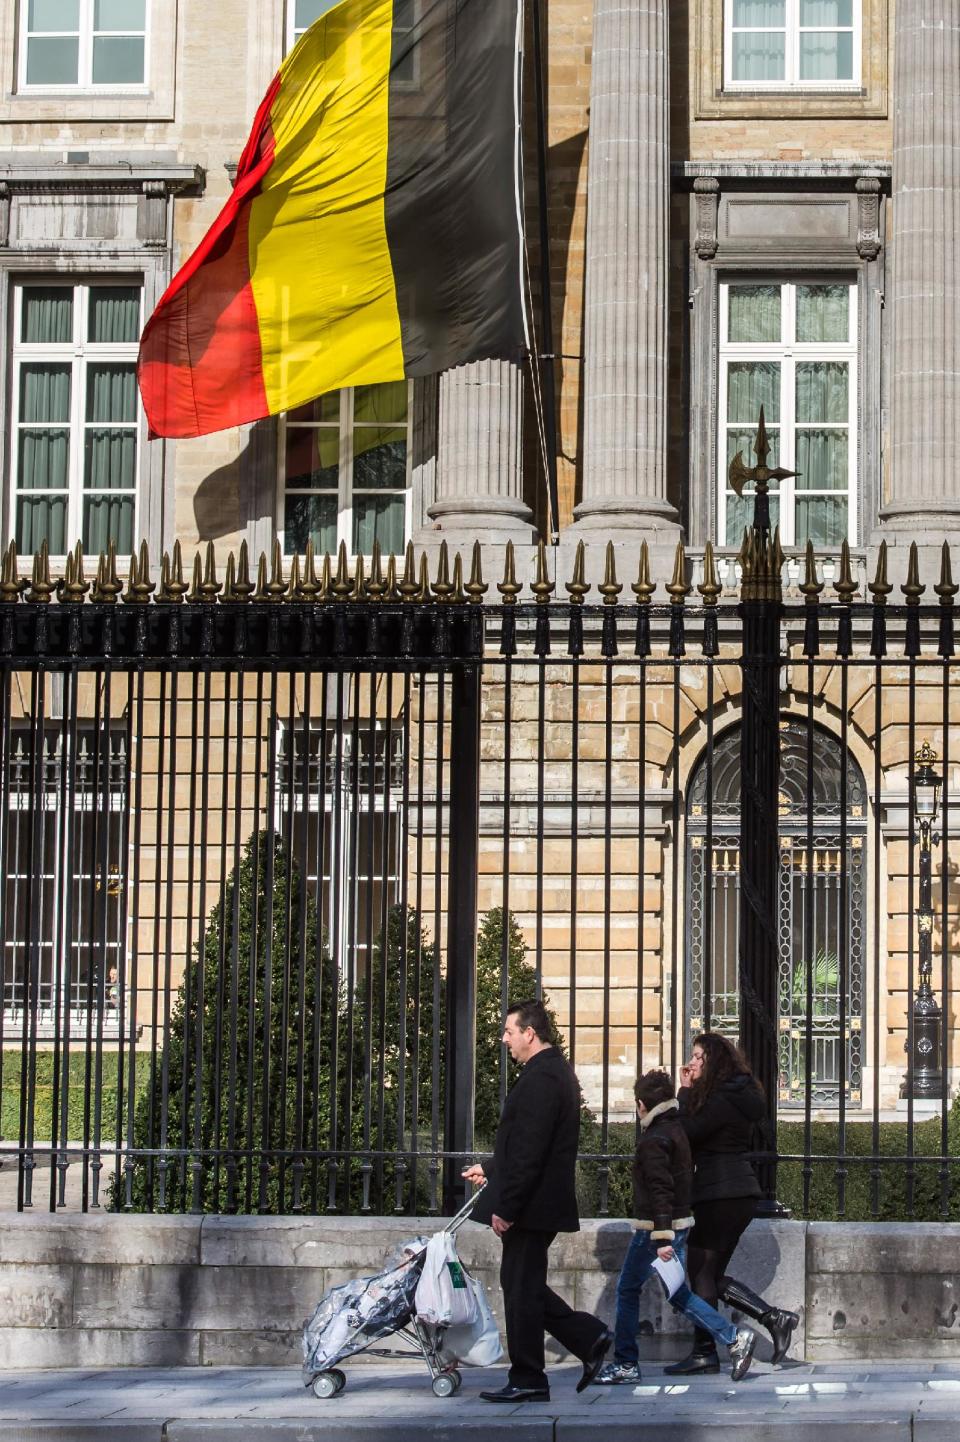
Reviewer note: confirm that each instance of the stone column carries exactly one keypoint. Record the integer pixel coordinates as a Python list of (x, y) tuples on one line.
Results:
[(625, 317), (924, 458), (479, 477)]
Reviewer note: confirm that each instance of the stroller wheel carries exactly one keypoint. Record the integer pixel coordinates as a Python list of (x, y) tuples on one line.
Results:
[(340, 1377), (458, 1379), (446, 1384), (328, 1384)]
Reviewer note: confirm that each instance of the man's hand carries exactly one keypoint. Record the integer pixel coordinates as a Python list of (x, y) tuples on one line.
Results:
[(474, 1174), (665, 1254), (499, 1225)]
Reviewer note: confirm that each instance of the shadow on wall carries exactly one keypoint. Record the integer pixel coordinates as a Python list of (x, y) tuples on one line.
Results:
[(243, 492)]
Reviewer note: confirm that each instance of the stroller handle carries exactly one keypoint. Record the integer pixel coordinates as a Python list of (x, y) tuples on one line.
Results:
[(456, 1222)]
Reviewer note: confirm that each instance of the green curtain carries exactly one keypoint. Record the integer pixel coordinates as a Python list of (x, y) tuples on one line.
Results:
[(823, 313), (754, 313), (114, 315), (822, 460), (759, 55), (751, 384), (378, 518), (826, 55), (824, 14), (112, 393), (760, 14), (106, 519), (47, 315), (823, 391), (822, 520)]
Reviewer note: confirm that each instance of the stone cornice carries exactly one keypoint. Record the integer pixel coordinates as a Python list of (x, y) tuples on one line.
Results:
[(783, 172), (175, 178)]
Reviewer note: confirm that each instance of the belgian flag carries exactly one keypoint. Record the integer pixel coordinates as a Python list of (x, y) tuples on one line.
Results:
[(374, 231)]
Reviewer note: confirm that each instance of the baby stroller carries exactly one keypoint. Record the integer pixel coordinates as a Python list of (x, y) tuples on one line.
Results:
[(353, 1317)]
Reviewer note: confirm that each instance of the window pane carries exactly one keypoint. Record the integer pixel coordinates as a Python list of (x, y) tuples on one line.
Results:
[(750, 385), (43, 460), (754, 313), (112, 393), (307, 11), (823, 312), (404, 14), (758, 55), (379, 518), (379, 458), (381, 403), (54, 15), (313, 458), (42, 519), (310, 518), (118, 61), (47, 315), (110, 460), (44, 393), (826, 12), (324, 408), (822, 461), (742, 441), (106, 519), (740, 516), (122, 15), (759, 14), (822, 391), (826, 55), (53, 60), (822, 520), (114, 314)]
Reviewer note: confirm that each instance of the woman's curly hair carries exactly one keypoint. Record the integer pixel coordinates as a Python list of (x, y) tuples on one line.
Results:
[(722, 1060)]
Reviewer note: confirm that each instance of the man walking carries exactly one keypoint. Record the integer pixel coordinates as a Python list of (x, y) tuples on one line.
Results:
[(530, 1197)]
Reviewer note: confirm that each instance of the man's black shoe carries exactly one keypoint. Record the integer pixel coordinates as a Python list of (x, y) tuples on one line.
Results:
[(518, 1394), (695, 1364), (593, 1361)]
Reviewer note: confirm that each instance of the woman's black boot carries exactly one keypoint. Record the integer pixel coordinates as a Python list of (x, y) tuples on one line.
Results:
[(703, 1358), (779, 1324)]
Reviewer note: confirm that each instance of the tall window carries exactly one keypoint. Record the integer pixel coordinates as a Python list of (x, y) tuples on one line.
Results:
[(89, 44), (777, 43), (345, 462), (301, 14), (62, 864), (792, 349), (75, 416)]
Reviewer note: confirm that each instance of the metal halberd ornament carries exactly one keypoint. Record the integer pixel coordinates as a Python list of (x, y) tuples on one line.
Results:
[(760, 474)]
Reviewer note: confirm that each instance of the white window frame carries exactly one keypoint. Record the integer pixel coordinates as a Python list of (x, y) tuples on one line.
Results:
[(84, 84), (294, 31), (79, 353), (345, 494), (787, 353), (792, 30)]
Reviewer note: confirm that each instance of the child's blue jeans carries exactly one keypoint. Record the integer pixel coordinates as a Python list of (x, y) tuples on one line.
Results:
[(636, 1270)]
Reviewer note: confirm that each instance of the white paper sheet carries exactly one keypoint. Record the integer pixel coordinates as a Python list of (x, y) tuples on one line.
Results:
[(670, 1273)]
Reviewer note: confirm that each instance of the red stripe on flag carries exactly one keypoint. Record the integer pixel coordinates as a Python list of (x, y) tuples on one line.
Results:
[(201, 366)]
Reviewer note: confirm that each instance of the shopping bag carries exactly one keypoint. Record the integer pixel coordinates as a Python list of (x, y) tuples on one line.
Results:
[(477, 1343), (445, 1294)]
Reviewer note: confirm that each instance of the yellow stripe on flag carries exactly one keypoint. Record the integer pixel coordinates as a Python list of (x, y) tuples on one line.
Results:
[(320, 266)]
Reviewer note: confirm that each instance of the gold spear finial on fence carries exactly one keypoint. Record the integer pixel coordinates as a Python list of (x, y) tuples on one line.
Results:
[(880, 587), (542, 587), (376, 584), (610, 587), (140, 586), (341, 582), (243, 586), (811, 588), (457, 596), (408, 583), (326, 582), (11, 585), (41, 587), (107, 586), (172, 588), (476, 587), (423, 590), (945, 588), (359, 591), (509, 587), (292, 592), (677, 589), (390, 592), (442, 588), (578, 587), (260, 594), (761, 474), (912, 588), (709, 587), (193, 595), (309, 586), (643, 588), (75, 584), (845, 586)]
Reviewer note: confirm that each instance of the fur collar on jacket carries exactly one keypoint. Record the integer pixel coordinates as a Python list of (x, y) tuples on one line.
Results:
[(658, 1111)]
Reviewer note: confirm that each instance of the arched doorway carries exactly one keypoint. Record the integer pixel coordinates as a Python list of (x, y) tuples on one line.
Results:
[(821, 899)]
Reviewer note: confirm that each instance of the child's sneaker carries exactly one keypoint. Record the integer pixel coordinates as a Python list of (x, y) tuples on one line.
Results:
[(615, 1372)]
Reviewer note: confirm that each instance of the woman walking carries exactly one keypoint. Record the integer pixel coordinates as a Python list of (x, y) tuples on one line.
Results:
[(720, 1104)]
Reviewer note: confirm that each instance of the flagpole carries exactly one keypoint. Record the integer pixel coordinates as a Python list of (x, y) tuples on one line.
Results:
[(546, 361)]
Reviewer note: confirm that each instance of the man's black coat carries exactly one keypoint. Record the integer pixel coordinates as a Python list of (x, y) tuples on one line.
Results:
[(533, 1173)]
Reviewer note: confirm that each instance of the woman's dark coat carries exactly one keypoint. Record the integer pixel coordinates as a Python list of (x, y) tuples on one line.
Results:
[(532, 1179), (721, 1133)]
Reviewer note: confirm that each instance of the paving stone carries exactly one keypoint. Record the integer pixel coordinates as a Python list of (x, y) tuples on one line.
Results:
[(366, 1429)]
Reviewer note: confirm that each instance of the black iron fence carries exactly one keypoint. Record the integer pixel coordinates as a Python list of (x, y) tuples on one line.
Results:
[(274, 856)]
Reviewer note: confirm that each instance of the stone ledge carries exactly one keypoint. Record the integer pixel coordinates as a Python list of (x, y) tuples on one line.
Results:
[(107, 1237)]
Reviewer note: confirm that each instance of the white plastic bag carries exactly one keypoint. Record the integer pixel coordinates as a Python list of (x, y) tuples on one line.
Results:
[(474, 1344), (445, 1294)]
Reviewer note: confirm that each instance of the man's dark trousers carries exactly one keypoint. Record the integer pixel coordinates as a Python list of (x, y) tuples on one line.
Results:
[(531, 1307)]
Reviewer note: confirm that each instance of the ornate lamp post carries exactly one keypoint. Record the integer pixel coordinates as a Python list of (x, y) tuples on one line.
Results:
[(924, 1076)]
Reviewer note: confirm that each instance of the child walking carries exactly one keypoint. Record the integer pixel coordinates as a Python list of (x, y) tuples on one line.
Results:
[(662, 1176)]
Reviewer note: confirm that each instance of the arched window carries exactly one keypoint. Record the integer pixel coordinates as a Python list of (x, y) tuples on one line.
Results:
[(821, 907)]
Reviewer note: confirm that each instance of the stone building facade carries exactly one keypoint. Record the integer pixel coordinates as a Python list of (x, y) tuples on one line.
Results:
[(749, 201)]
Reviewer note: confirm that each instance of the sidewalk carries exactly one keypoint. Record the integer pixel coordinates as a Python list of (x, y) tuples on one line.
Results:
[(825, 1402)]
